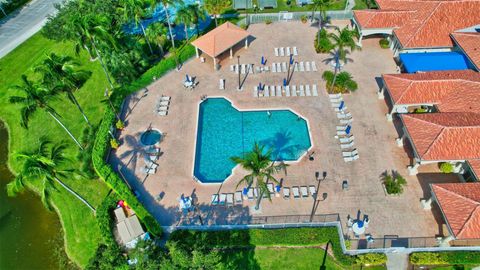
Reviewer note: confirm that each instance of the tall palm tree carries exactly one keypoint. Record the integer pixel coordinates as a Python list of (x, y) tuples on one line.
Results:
[(261, 169), (62, 72), (36, 97), (2, 3), (134, 9), (199, 13), (165, 4), (184, 16), (216, 7), (322, 6), (343, 43), (44, 164), (157, 32)]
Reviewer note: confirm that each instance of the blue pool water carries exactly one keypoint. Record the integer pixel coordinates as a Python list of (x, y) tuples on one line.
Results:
[(431, 61), (150, 137), (158, 15), (223, 132)]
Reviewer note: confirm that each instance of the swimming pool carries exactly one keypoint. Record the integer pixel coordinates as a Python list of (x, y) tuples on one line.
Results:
[(150, 137), (223, 132), (431, 61)]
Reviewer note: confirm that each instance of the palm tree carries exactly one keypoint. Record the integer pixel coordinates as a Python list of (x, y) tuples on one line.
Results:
[(344, 81), (261, 170), (165, 4), (198, 13), (216, 7), (321, 6), (134, 9), (60, 71), (344, 43), (44, 164), (184, 16), (37, 97), (2, 3), (157, 33)]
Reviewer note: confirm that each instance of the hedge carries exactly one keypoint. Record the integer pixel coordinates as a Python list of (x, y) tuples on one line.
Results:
[(266, 237), (102, 141), (104, 218), (447, 257), (371, 259)]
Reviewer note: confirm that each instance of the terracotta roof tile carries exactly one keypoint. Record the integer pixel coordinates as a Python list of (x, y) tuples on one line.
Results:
[(449, 91), (444, 136), (422, 23), (475, 165), (220, 39), (460, 204), (470, 44)]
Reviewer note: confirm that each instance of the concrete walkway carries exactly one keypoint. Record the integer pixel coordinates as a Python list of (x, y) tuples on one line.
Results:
[(24, 23), (397, 261)]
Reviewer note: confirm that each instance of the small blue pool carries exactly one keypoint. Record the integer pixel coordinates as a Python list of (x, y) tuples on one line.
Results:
[(431, 61), (224, 132), (151, 137)]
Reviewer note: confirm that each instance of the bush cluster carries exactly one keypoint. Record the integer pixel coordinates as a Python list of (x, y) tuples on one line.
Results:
[(323, 44), (384, 43), (371, 259), (446, 167), (394, 182), (444, 258)]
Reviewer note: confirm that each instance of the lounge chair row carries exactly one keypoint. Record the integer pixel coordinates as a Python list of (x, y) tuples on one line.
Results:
[(344, 130), (163, 103), (299, 192), (286, 51), (287, 91), (243, 68), (298, 67)]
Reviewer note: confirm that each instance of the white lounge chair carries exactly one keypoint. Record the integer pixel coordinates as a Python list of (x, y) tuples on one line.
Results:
[(288, 51), (163, 103), (279, 91), (296, 192), (250, 194), (352, 153), (314, 66), (282, 52), (266, 91), (165, 98), (255, 91), (352, 158), (295, 51), (162, 108), (221, 84), (238, 197), (344, 115), (347, 139), (284, 67), (147, 170), (307, 66), (286, 193), (302, 67), (232, 68), (287, 90), (342, 109), (294, 91), (229, 199), (162, 113), (295, 67), (312, 190), (270, 188), (279, 67), (336, 100), (243, 69), (257, 69), (150, 164), (342, 133), (334, 96), (308, 93), (304, 191), (314, 90), (272, 91), (215, 199), (223, 198), (347, 145), (346, 121), (342, 127), (274, 67), (276, 51), (302, 91)]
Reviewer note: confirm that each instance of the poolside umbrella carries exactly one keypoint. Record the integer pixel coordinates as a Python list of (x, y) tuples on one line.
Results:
[(187, 79), (245, 191), (291, 59), (277, 188), (347, 130), (260, 86), (263, 60), (342, 104), (284, 82)]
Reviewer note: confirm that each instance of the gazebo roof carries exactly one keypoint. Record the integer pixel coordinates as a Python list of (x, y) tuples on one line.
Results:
[(220, 39), (460, 205)]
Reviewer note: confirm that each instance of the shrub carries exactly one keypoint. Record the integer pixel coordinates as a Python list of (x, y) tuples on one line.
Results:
[(114, 143), (268, 21), (420, 110), (304, 18), (244, 26), (384, 43), (120, 124), (371, 259), (343, 82), (322, 42), (447, 257), (393, 183), (446, 167)]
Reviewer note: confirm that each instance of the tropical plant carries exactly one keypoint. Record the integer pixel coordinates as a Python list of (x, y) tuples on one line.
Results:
[(45, 164), (216, 7), (384, 43), (321, 6), (393, 182), (114, 143), (120, 124), (165, 4), (157, 32), (323, 44), (134, 9), (62, 72), (343, 82), (268, 21), (258, 162), (2, 4), (446, 167), (304, 18), (36, 97), (198, 13), (184, 16)]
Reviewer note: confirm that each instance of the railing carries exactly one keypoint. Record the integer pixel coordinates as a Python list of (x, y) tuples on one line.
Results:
[(294, 16)]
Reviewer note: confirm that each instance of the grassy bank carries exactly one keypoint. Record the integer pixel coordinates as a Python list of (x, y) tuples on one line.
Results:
[(82, 234)]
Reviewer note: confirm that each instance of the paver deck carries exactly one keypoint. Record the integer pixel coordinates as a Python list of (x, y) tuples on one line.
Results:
[(374, 139)]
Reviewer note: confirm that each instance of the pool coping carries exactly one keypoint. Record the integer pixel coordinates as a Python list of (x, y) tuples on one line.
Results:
[(244, 110)]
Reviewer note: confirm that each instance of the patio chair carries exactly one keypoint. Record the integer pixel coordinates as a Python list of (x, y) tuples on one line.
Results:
[(339, 128), (229, 199), (223, 198), (286, 193), (272, 90), (347, 139), (162, 113), (266, 91), (307, 66), (295, 51), (350, 153), (350, 159), (342, 109), (274, 67), (308, 93), (314, 90), (304, 191), (151, 150), (282, 52), (221, 84), (302, 67), (279, 67), (255, 91), (150, 164), (366, 221), (334, 96), (215, 199), (238, 197), (347, 145), (346, 121), (294, 91), (232, 68), (369, 238), (302, 91), (250, 194), (314, 66), (344, 115), (270, 188), (279, 91), (163, 103), (165, 98), (312, 190), (288, 51), (287, 90), (162, 108), (345, 185), (296, 192), (276, 52)]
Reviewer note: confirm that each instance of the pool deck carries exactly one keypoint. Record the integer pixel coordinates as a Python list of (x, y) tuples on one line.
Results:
[(374, 139)]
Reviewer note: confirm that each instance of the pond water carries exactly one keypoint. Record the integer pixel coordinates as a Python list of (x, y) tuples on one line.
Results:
[(30, 236)]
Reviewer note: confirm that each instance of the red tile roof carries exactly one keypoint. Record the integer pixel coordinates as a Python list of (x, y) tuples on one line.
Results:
[(475, 165), (444, 136), (421, 23), (460, 204), (470, 44), (449, 91), (220, 39)]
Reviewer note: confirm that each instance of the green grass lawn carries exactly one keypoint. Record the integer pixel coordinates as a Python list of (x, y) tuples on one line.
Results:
[(82, 234), (294, 258)]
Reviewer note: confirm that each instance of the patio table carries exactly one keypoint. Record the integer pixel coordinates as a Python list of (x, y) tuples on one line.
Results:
[(358, 227), (185, 203)]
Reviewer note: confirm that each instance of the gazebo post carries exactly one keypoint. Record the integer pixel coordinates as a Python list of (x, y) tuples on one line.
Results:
[(214, 63), (196, 52), (246, 43), (231, 53)]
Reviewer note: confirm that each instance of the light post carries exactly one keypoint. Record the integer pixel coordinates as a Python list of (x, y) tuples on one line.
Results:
[(315, 201)]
